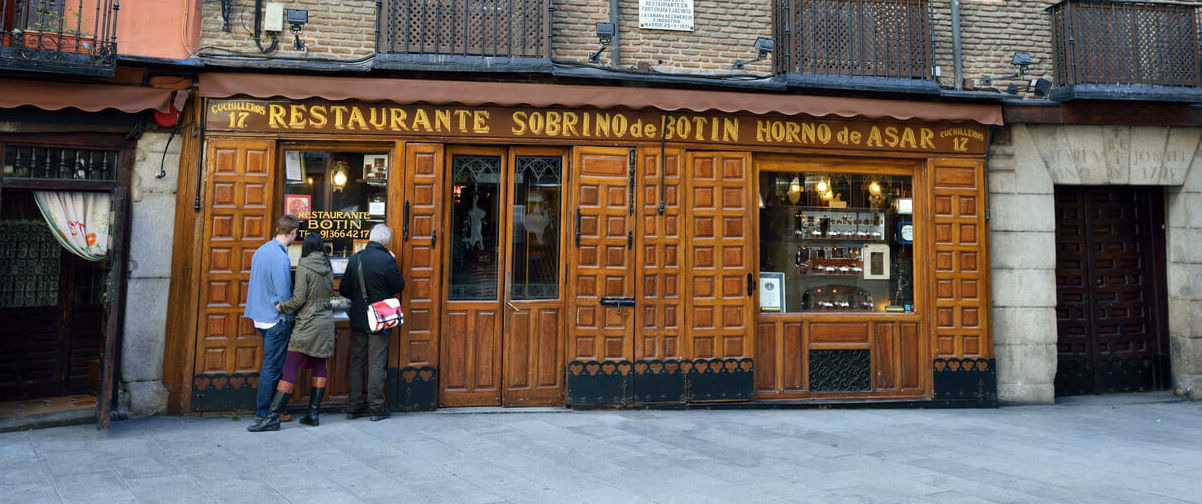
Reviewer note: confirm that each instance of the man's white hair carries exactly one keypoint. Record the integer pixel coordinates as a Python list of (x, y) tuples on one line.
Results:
[(380, 234)]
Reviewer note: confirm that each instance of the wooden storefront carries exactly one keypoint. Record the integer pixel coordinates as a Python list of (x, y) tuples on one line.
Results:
[(595, 255)]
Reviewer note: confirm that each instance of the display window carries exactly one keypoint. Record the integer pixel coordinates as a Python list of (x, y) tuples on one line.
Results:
[(337, 195), (836, 242)]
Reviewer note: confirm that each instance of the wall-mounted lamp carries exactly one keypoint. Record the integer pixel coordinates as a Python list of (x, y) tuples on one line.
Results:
[(795, 190), (605, 35), (297, 18), (763, 47), (1020, 62)]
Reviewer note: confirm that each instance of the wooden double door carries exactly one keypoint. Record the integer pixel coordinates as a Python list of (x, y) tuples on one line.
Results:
[(1110, 290), (590, 254), (503, 311)]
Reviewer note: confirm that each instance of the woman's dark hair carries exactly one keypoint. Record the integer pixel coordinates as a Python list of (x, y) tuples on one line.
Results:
[(312, 244)]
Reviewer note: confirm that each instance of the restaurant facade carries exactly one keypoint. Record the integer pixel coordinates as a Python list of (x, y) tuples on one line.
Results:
[(592, 247)]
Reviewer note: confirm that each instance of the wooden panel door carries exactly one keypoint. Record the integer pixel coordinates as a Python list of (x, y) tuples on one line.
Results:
[(960, 259), (601, 262), (422, 212), (533, 345), (719, 226), (470, 353), (661, 257), (238, 219), (1109, 290)]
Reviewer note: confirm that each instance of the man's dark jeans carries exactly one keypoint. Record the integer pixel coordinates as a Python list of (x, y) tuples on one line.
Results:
[(275, 346), (368, 350)]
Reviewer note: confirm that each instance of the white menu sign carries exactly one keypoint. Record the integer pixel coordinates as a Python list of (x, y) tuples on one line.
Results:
[(666, 15)]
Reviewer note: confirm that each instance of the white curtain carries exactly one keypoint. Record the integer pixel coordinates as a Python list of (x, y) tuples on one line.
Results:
[(79, 220)]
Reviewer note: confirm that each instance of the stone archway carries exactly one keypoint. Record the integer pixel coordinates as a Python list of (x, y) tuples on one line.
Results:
[(1026, 163)]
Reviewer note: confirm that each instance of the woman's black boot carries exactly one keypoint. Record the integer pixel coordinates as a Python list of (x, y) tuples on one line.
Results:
[(272, 423), (317, 390)]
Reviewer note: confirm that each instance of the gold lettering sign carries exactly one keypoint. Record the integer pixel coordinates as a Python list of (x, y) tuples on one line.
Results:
[(602, 125), (330, 225)]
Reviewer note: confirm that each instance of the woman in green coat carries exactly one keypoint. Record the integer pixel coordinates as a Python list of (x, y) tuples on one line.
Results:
[(313, 335)]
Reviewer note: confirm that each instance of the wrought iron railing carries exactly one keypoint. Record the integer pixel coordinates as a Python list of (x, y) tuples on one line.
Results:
[(863, 38), (56, 163), (1125, 43), (483, 28), (62, 36)]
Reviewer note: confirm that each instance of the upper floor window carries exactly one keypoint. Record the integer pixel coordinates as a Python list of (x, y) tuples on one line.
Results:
[(1125, 43)]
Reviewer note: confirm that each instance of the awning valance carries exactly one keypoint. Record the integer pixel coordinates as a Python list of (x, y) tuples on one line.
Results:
[(507, 94), (87, 97)]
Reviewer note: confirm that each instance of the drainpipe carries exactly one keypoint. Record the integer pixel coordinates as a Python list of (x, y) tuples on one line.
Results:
[(957, 55), (613, 47)]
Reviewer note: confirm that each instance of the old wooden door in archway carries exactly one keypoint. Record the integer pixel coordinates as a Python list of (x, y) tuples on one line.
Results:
[(1110, 292), (502, 336)]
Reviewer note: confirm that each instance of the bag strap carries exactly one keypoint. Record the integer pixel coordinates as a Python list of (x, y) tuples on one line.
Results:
[(362, 286)]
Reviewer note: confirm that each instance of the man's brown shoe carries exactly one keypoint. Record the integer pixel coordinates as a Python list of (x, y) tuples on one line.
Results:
[(285, 417)]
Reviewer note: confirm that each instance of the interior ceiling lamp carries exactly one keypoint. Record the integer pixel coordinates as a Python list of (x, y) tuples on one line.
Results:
[(874, 187), (1021, 61), (605, 35), (763, 47), (339, 179), (795, 190)]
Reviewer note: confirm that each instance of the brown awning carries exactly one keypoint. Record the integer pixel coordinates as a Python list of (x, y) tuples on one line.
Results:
[(435, 92), (87, 97)]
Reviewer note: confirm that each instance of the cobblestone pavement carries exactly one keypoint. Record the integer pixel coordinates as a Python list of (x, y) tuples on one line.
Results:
[(1133, 448)]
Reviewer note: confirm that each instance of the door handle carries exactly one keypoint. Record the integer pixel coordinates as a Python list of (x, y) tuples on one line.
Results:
[(577, 226), (750, 285), (433, 238), (405, 231), (512, 306), (616, 301)]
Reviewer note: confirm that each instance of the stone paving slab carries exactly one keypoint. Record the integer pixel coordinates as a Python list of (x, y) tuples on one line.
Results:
[(1144, 448)]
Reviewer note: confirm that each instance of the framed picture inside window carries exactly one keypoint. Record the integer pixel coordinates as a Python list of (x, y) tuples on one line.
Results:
[(876, 261), (772, 291), (375, 168), (298, 205)]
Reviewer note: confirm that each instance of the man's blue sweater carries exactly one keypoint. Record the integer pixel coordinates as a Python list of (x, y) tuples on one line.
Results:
[(270, 283)]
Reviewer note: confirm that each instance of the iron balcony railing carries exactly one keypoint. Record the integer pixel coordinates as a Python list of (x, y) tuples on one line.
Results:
[(59, 163), (1125, 43), (466, 28), (888, 39), (61, 36)]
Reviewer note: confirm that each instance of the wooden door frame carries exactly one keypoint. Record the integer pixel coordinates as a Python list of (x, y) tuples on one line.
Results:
[(114, 323)]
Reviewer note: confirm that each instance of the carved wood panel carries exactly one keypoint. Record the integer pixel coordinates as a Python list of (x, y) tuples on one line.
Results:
[(238, 216), (661, 257), (470, 371), (420, 256), (718, 258), (601, 262), (534, 354), (960, 266)]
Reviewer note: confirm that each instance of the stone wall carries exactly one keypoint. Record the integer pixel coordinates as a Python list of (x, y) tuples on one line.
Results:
[(1026, 164), (345, 29), (152, 221)]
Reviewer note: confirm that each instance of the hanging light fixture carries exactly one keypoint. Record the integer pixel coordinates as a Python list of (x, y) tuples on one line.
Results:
[(339, 179), (795, 190)]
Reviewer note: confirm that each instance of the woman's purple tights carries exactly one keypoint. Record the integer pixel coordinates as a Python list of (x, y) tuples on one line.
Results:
[(294, 361)]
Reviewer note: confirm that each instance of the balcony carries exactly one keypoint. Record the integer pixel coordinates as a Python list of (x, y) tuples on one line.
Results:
[(59, 36), (471, 35), (875, 45), (1112, 50)]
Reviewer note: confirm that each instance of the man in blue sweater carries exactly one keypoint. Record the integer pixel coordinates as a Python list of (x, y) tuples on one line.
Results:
[(271, 284)]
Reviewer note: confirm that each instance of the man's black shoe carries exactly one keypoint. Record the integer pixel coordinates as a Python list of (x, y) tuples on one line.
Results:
[(376, 416), (352, 414)]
